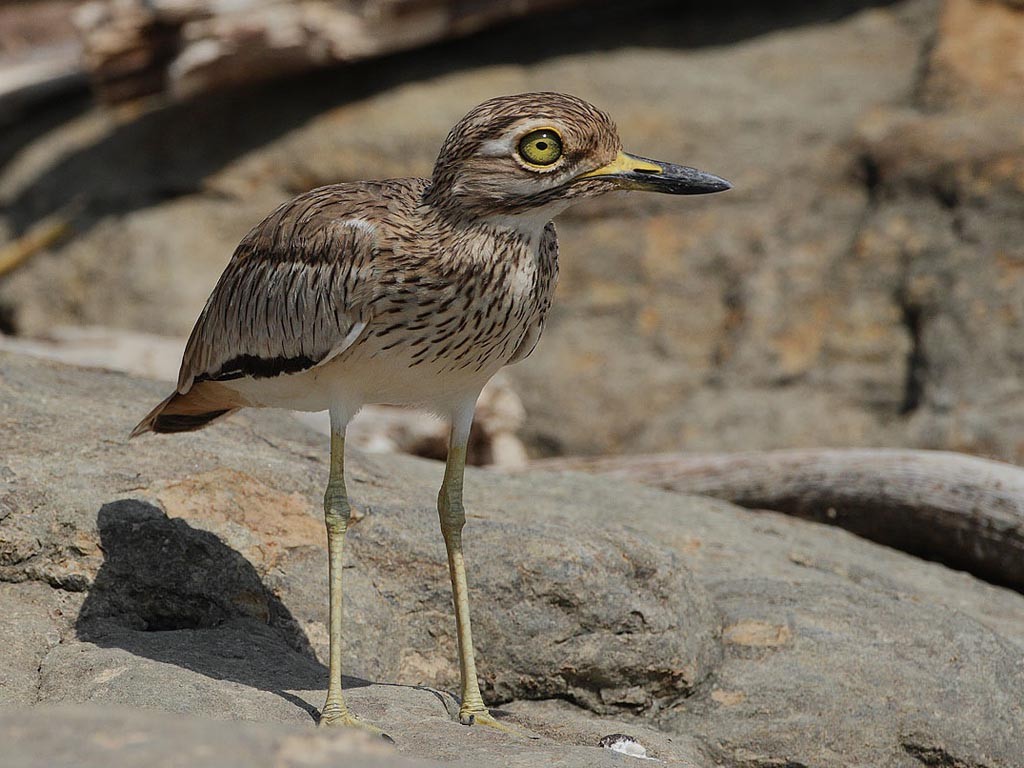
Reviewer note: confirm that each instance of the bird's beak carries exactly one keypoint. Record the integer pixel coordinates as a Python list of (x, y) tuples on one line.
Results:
[(632, 172)]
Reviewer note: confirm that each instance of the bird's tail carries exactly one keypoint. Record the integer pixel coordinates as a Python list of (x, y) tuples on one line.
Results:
[(203, 404)]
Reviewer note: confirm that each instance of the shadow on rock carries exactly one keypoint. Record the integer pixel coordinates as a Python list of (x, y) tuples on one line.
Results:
[(176, 594)]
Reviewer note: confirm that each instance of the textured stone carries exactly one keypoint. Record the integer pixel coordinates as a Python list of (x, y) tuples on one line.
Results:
[(909, 674), (33, 624), (749, 639), (98, 737), (599, 617), (978, 55), (950, 199)]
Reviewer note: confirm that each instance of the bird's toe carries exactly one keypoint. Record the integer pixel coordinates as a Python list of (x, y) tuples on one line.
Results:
[(482, 717), (334, 716)]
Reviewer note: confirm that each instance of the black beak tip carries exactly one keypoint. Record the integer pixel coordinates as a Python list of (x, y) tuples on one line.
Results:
[(683, 180), (720, 185), (702, 183)]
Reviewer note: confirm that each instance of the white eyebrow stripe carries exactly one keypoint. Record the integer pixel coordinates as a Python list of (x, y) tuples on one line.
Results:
[(504, 144), (496, 147)]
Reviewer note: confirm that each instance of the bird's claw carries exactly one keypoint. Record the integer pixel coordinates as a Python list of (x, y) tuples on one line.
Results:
[(484, 718), (335, 716)]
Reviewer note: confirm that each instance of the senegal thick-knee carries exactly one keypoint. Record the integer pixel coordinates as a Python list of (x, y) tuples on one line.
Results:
[(408, 292)]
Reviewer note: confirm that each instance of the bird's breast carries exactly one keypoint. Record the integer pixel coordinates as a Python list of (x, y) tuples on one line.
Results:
[(467, 316)]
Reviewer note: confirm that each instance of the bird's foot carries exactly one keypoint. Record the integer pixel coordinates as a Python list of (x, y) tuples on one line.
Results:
[(336, 715), (480, 716)]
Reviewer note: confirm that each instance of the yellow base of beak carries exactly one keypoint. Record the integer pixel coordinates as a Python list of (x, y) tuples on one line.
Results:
[(623, 163)]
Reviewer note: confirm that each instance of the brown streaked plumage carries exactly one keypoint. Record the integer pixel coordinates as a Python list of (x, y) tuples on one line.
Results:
[(407, 291)]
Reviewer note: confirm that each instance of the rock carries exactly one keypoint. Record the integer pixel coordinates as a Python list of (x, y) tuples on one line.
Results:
[(189, 575), (960, 286), (857, 287), (191, 565), (102, 736), (599, 638), (978, 55), (114, 349), (34, 618), (953, 688)]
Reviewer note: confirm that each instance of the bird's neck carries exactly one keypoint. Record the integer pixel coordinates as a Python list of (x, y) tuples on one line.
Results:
[(528, 223), (525, 223), (474, 241)]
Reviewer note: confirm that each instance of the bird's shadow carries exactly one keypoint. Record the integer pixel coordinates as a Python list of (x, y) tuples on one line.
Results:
[(176, 594)]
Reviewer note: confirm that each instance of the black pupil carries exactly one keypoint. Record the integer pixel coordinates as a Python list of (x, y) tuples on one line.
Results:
[(542, 145)]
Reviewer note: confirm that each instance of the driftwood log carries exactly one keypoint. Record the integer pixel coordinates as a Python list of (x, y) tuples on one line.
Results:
[(963, 511), (48, 74), (40, 56), (136, 48)]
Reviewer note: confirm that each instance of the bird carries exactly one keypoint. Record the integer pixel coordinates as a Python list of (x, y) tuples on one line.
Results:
[(410, 292)]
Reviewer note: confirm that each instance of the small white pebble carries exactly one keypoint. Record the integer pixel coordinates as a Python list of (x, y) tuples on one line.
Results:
[(627, 745)]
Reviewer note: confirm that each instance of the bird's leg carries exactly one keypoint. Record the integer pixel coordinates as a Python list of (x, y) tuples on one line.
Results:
[(453, 518), (337, 513)]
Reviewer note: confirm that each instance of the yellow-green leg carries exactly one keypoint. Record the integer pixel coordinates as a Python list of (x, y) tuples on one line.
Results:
[(453, 518), (337, 514)]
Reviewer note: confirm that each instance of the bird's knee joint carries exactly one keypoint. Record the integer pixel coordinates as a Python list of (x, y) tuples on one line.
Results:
[(337, 511), (337, 519), (451, 512)]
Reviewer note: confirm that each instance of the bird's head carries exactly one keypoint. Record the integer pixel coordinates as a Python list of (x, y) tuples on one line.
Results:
[(532, 155)]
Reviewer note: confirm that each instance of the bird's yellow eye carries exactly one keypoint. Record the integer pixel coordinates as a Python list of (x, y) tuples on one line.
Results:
[(541, 147)]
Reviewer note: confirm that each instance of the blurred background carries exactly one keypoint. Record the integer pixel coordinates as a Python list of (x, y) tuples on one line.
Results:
[(862, 285)]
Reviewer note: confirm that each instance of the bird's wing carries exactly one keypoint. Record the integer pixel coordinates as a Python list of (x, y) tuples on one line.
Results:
[(297, 292), (549, 276)]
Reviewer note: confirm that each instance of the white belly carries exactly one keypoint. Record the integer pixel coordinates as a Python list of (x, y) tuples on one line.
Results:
[(353, 381)]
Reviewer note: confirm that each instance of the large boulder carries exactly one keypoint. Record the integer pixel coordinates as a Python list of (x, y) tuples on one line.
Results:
[(187, 575)]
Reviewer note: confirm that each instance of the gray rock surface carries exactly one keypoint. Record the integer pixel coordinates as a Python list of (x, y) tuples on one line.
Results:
[(860, 285), (33, 618), (188, 576), (900, 676), (74, 737)]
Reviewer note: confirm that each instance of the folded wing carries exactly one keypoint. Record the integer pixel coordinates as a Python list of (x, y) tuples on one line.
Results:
[(297, 293)]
